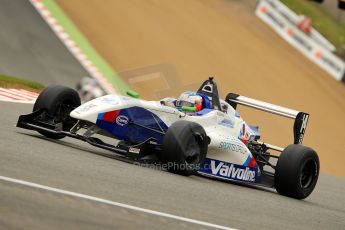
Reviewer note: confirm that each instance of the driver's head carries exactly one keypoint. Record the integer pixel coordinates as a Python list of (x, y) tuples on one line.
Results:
[(191, 100)]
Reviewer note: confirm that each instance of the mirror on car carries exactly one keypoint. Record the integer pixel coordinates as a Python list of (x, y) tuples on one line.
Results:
[(133, 94)]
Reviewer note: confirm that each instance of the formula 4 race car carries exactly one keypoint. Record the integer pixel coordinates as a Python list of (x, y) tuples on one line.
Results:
[(213, 141)]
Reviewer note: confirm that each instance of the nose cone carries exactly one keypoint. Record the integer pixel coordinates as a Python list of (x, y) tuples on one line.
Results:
[(89, 111)]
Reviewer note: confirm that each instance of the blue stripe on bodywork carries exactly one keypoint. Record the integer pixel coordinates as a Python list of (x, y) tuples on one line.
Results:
[(246, 163), (100, 116), (135, 133), (203, 112)]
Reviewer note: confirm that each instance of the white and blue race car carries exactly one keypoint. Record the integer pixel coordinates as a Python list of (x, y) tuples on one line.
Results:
[(209, 139)]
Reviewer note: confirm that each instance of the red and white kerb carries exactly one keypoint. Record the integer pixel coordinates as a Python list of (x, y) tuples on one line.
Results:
[(18, 95), (72, 46)]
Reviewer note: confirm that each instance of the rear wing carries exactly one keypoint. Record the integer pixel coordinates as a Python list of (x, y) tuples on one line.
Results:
[(301, 118)]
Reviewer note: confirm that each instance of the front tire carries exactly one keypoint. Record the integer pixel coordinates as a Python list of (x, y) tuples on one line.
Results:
[(297, 171), (184, 147), (58, 101)]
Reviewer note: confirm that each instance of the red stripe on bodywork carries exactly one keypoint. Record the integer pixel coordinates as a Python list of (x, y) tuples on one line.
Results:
[(199, 106), (244, 136), (111, 116), (252, 162)]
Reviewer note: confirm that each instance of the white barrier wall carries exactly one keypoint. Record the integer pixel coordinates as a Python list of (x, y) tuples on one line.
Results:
[(292, 17), (268, 12)]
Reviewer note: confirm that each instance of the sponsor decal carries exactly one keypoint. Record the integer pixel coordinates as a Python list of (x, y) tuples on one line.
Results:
[(227, 122), (275, 19), (122, 120), (225, 145), (208, 88), (304, 123), (229, 171), (134, 150), (126, 98), (303, 127), (281, 19), (109, 100), (85, 108), (221, 114), (328, 60), (304, 43)]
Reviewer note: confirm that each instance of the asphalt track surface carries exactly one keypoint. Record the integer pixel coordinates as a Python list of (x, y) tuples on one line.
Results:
[(77, 167), (30, 50)]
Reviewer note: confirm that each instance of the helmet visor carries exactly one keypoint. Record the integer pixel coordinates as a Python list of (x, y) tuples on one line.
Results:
[(185, 103)]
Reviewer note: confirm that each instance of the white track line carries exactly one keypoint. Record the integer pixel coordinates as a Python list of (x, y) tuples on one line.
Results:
[(117, 204)]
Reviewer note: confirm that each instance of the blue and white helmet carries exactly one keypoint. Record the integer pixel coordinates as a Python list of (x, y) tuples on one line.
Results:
[(190, 99)]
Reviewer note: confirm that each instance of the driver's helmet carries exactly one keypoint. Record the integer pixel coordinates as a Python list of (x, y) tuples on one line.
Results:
[(191, 100)]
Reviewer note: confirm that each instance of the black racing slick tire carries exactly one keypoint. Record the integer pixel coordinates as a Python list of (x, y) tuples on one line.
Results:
[(297, 171), (58, 101), (184, 147)]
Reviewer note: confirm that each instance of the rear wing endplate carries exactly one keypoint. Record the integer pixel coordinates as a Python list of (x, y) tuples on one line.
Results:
[(301, 118)]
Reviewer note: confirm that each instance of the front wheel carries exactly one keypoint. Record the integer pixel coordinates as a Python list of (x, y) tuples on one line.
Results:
[(58, 101), (184, 147), (297, 171)]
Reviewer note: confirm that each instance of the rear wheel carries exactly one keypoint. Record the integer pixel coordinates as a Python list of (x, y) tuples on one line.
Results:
[(297, 171), (184, 147), (58, 101)]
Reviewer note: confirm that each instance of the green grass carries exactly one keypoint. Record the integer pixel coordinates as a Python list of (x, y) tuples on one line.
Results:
[(323, 21), (16, 83), (86, 46)]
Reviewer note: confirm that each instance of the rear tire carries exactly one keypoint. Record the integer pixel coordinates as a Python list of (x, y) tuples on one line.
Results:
[(297, 171), (58, 101), (184, 147)]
